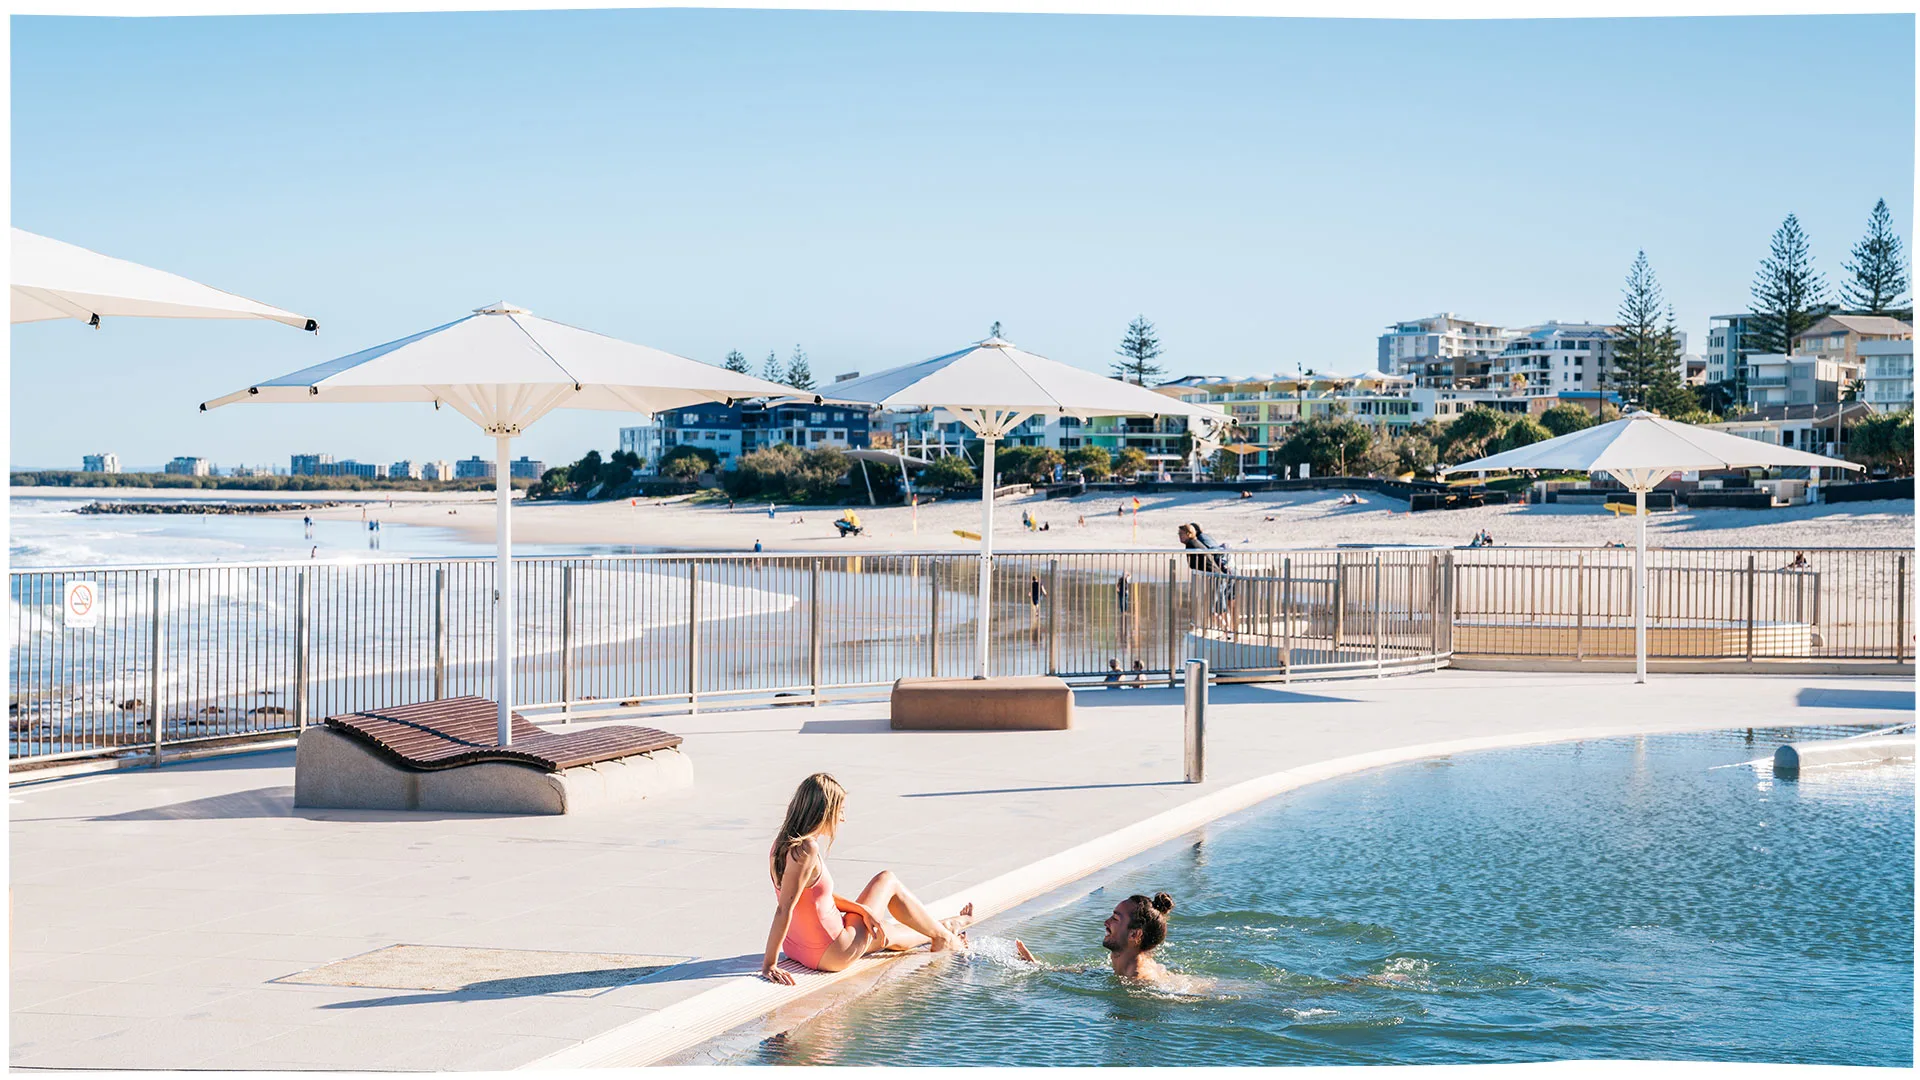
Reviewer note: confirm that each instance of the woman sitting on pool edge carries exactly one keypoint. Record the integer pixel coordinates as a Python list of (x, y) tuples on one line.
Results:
[(827, 932)]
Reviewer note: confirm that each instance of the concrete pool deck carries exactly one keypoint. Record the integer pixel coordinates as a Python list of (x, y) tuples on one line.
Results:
[(152, 909)]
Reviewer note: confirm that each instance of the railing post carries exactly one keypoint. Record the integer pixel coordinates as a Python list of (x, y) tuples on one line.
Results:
[(1286, 619), (693, 637), (1196, 721), (439, 634), (153, 675), (1900, 613), (1339, 606), (301, 653), (1580, 611), (566, 644), (1751, 582), (1173, 649), (933, 625), (1433, 605), (1053, 625), (813, 630), (1379, 629)]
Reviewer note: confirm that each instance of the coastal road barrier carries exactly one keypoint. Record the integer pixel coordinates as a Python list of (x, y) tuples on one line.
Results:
[(184, 656)]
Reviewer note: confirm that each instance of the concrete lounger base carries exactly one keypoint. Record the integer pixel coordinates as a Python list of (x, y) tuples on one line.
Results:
[(338, 772), (1020, 703)]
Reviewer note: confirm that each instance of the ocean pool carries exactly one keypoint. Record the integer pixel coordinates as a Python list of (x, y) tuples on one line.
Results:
[(1652, 898)]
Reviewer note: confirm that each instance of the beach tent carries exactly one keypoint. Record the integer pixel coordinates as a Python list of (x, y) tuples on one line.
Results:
[(1640, 450), (503, 369), (992, 387), (52, 280)]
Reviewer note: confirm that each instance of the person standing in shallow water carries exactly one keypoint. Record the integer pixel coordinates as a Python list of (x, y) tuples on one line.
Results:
[(1137, 926)]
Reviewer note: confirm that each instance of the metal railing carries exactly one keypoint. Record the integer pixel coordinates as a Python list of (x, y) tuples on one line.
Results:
[(181, 655)]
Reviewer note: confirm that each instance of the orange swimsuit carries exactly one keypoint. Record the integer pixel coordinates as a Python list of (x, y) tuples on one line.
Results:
[(816, 922)]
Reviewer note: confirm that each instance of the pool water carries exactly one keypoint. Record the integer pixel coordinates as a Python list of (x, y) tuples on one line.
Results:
[(1635, 898)]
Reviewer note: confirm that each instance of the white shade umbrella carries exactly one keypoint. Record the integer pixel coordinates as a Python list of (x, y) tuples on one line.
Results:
[(1642, 449), (992, 387), (52, 280), (503, 369)]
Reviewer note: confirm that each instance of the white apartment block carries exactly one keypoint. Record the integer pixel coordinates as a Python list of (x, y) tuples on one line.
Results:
[(1441, 350), (1557, 358), (646, 440), (1723, 346), (100, 463), (1773, 379), (404, 470), (436, 470), (190, 466), (1886, 370)]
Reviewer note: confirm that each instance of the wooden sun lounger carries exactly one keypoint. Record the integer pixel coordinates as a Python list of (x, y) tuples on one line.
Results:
[(452, 732)]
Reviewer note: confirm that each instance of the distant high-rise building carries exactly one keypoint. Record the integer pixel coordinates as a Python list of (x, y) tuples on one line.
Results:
[(473, 468), (1441, 350), (190, 466), (525, 468), (310, 464), (100, 463), (436, 470), (404, 470)]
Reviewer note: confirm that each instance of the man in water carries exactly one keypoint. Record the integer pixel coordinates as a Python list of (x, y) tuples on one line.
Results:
[(1137, 926)]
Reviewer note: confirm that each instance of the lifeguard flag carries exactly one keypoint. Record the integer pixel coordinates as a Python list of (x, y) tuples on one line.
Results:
[(1136, 503)]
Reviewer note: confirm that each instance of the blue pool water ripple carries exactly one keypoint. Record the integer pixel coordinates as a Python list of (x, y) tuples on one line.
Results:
[(1613, 899)]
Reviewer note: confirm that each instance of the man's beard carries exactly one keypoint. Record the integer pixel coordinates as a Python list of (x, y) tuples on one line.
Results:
[(1111, 945)]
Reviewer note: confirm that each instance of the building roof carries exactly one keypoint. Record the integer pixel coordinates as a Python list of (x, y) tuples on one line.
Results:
[(1768, 414), (1859, 324)]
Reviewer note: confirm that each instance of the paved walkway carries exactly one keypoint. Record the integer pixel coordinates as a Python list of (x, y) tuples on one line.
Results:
[(151, 909)]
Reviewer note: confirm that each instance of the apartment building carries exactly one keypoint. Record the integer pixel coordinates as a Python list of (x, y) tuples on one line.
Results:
[(190, 466), (1886, 373), (404, 470), (1816, 429), (436, 470), (745, 426), (525, 468), (1802, 379), (100, 463), (1840, 336), (1441, 350), (309, 464), (1724, 346), (473, 468)]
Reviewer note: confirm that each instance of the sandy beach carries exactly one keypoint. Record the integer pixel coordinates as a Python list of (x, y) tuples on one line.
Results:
[(1268, 520)]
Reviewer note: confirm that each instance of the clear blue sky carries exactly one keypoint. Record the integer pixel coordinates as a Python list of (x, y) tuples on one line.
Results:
[(881, 187)]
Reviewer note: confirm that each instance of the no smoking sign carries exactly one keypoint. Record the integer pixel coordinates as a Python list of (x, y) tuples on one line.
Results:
[(83, 605)]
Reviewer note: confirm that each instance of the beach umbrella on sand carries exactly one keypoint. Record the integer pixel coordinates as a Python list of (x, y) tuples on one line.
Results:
[(992, 387), (1641, 449), (52, 280), (503, 369)]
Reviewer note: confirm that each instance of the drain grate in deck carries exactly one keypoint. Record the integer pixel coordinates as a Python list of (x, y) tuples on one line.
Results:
[(508, 972)]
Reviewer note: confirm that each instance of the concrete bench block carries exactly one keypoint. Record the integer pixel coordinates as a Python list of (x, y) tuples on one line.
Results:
[(336, 771), (1021, 703)]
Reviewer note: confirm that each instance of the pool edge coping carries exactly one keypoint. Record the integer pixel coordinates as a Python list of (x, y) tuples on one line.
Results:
[(684, 1025)]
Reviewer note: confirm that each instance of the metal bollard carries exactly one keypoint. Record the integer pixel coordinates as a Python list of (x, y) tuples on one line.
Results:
[(1196, 721)]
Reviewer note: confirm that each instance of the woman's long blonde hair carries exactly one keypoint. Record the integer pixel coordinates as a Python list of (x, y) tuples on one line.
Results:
[(814, 809)]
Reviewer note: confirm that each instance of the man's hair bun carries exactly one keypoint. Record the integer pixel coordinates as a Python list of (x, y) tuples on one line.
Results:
[(1163, 903)]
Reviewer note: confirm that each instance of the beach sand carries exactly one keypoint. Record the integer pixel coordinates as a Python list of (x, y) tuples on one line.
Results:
[(1268, 520)]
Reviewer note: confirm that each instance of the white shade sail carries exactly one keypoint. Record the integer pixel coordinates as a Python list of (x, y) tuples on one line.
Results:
[(1640, 443), (54, 280), (992, 386), (1640, 450), (995, 377), (503, 368)]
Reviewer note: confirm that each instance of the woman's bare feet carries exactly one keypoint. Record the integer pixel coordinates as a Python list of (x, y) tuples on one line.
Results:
[(956, 939)]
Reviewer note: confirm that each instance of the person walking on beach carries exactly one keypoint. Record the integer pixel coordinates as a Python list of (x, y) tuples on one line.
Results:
[(1137, 926), (826, 932), (308, 523)]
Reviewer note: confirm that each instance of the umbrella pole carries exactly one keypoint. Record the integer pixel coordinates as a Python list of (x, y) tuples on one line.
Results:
[(503, 585), (1640, 585), (986, 550)]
